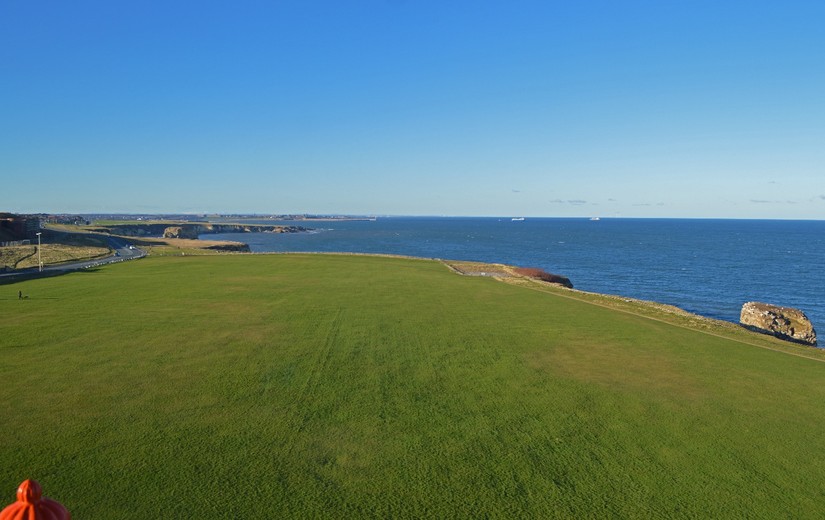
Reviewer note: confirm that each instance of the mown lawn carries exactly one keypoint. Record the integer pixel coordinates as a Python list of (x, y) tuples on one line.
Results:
[(267, 386)]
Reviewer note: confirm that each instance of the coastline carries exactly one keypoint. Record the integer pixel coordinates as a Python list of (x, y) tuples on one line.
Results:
[(708, 267), (647, 309), (172, 245)]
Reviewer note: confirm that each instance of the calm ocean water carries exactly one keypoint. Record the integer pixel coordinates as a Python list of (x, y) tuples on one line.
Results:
[(710, 267)]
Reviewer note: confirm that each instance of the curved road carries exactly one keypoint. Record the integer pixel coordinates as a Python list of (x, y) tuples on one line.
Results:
[(122, 251)]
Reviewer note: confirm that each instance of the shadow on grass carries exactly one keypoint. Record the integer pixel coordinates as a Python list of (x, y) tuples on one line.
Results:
[(22, 277), (779, 335), (29, 297)]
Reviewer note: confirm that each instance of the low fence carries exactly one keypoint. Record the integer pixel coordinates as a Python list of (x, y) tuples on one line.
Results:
[(16, 243)]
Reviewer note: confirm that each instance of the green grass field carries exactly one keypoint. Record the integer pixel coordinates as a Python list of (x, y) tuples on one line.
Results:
[(332, 386)]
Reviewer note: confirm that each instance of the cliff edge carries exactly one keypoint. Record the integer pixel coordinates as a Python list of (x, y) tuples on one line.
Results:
[(192, 231)]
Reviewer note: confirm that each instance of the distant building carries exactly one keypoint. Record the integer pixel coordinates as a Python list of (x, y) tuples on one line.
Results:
[(77, 220), (19, 227)]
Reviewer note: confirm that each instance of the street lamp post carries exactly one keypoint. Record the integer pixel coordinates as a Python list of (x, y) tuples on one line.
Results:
[(39, 261)]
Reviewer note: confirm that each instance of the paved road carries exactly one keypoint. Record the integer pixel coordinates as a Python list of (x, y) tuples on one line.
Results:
[(122, 251)]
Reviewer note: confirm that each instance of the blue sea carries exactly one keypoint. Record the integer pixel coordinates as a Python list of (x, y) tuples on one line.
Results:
[(709, 267)]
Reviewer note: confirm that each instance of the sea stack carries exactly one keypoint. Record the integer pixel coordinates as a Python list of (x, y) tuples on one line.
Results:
[(782, 322)]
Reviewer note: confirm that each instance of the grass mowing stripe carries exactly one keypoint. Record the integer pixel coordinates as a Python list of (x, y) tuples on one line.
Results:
[(328, 386)]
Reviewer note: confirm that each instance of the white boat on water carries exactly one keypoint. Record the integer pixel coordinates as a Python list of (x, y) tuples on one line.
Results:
[(517, 219), (594, 218)]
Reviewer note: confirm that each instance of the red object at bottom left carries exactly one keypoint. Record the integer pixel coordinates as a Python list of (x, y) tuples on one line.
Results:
[(32, 505)]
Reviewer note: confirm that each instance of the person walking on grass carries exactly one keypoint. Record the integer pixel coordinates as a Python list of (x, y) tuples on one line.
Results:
[(19, 295)]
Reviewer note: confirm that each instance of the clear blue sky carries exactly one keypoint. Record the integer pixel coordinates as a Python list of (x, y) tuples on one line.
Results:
[(550, 108)]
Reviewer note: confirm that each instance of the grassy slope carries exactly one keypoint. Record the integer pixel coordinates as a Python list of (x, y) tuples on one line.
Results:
[(26, 256), (271, 385)]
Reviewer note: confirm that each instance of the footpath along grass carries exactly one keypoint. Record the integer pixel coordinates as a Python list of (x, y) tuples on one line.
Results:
[(331, 386)]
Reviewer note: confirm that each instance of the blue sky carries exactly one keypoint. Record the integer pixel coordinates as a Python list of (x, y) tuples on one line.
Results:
[(609, 108)]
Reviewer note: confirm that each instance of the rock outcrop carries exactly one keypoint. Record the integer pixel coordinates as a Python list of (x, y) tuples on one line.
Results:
[(192, 231), (782, 322), (544, 276), (233, 247)]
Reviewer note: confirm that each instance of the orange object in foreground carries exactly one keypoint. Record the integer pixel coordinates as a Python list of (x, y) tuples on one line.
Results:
[(32, 505)]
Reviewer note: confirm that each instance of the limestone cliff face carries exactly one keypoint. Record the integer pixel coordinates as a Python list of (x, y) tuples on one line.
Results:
[(782, 322), (194, 230), (190, 232)]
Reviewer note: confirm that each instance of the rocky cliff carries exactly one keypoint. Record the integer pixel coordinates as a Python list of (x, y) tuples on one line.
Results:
[(190, 230), (782, 322), (194, 230)]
